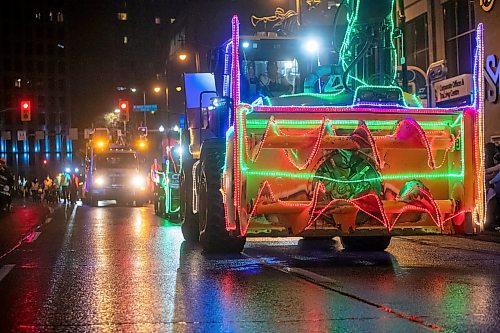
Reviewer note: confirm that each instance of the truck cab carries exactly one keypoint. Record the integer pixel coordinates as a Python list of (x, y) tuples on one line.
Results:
[(113, 173)]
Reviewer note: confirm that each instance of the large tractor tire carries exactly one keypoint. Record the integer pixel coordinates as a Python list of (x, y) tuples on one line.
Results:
[(189, 221), (365, 243), (214, 237)]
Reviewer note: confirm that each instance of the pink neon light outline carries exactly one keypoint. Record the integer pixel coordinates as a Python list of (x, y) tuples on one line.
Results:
[(350, 109), (431, 162)]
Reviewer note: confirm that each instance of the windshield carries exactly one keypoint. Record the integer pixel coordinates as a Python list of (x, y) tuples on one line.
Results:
[(269, 78), (116, 160)]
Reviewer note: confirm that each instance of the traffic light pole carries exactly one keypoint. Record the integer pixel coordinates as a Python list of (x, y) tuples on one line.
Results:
[(144, 103)]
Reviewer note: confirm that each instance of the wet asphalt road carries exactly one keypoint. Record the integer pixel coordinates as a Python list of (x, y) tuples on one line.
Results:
[(115, 269)]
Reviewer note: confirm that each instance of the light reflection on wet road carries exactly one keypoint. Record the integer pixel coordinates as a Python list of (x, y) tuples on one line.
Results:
[(123, 269)]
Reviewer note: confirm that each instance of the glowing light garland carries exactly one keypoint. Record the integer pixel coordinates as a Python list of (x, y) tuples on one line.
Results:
[(480, 210), (239, 166), (371, 200)]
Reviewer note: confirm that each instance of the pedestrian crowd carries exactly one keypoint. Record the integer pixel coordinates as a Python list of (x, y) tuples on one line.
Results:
[(63, 187), (52, 190)]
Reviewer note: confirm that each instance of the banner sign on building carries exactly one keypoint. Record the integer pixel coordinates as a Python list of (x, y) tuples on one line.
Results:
[(455, 89), (492, 76), (73, 133), (39, 135), (6, 135), (21, 135)]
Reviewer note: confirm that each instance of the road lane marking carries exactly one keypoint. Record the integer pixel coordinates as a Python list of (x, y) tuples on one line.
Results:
[(5, 270), (330, 284)]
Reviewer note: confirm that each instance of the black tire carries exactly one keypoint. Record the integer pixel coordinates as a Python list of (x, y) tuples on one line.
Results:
[(365, 243), (189, 221), (214, 237)]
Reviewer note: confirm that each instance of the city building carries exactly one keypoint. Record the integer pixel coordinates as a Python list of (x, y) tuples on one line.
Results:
[(34, 67)]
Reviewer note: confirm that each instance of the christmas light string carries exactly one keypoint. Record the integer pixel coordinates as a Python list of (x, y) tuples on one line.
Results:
[(360, 203), (480, 210), (235, 73), (239, 166)]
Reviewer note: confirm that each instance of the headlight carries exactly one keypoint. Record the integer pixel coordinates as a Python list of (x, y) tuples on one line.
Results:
[(138, 181), (99, 181), (179, 150)]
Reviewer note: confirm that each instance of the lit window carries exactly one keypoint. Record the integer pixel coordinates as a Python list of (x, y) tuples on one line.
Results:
[(157, 20), (51, 17), (122, 16), (38, 15), (125, 40), (17, 83), (60, 17)]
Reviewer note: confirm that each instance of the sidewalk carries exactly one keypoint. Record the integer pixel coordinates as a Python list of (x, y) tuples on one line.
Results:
[(23, 219)]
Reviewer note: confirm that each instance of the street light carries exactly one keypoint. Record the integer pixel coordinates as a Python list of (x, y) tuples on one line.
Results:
[(161, 129), (117, 110), (157, 89), (182, 56)]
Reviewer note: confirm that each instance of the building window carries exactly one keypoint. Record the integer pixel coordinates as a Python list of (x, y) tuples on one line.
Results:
[(60, 17), (459, 35), (125, 39), (417, 42), (122, 16), (157, 20)]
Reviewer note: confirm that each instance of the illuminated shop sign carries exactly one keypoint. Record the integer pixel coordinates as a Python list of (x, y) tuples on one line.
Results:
[(452, 89), (486, 5), (492, 75)]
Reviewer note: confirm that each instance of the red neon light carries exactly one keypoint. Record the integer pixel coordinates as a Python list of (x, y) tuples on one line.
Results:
[(363, 203)]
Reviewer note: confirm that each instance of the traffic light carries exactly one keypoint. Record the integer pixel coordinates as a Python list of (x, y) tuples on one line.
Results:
[(25, 110), (124, 110)]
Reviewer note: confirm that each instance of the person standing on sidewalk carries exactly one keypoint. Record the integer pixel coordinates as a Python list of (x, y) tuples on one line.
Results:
[(47, 183)]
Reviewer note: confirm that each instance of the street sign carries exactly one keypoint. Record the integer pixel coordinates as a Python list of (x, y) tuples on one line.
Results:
[(143, 130), (21, 135), (145, 108)]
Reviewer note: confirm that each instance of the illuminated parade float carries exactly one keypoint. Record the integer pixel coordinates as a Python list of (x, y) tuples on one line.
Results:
[(365, 161)]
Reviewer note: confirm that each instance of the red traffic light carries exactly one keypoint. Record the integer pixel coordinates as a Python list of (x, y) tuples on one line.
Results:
[(124, 110), (25, 105), (124, 105), (25, 110)]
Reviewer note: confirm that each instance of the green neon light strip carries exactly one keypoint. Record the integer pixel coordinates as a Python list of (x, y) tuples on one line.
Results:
[(269, 173), (262, 123)]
